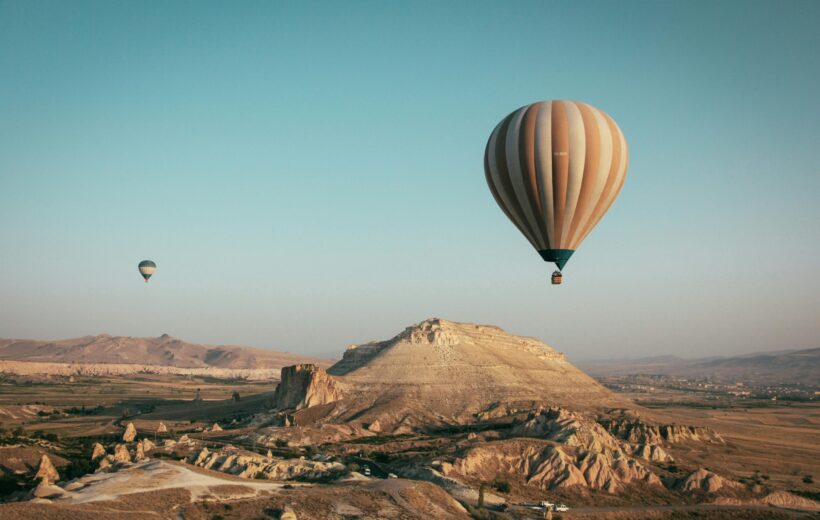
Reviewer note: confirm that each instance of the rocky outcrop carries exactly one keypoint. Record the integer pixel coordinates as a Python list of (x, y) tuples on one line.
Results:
[(433, 331), (130, 433), (97, 452), (652, 453), (303, 386), (251, 465), (568, 428), (46, 472), (549, 467), (139, 452), (45, 489), (162, 428), (121, 454), (705, 481), (638, 432), (216, 428), (288, 514)]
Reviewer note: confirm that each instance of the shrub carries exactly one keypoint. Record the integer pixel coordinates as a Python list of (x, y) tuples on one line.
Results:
[(808, 479), (502, 486)]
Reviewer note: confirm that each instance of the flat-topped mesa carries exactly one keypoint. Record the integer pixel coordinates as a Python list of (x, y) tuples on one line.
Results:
[(303, 386)]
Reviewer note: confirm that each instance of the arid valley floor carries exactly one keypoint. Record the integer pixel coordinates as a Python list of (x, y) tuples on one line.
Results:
[(445, 420)]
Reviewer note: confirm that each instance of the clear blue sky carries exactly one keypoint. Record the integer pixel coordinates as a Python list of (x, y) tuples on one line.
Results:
[(308, 175)]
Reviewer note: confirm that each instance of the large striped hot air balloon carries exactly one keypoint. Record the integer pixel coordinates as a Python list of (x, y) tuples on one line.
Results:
[(555, 168), (147, 268)]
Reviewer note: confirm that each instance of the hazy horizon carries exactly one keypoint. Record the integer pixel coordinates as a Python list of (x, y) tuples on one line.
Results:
[(308, 178)]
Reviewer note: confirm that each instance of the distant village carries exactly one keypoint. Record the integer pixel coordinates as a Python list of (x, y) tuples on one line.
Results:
[(707, 389)]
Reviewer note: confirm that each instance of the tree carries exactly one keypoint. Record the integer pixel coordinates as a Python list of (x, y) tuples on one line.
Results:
[(481, 495), (235, 396)]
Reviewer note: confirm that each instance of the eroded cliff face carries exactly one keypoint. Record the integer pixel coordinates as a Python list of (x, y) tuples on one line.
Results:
[(303, 386), (549, 466), (639, 432), (251, 465)]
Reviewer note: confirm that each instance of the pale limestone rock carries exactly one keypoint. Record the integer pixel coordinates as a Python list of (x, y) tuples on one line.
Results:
[(105, 462), (130, 433), (288, 514), (216, 428), (139, 453), (705, 480), (97, 452), (74, 486), (46, 471), (121, 454), (200, 458), (303, 386), (147, 445), (47, 490), (162, 428)]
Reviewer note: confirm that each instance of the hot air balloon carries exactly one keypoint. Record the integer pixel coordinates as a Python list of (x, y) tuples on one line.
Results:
[(554, 168), (147, 268)]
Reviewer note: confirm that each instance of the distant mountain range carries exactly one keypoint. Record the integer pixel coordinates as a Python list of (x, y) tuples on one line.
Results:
[(161, 351), (796, 366)]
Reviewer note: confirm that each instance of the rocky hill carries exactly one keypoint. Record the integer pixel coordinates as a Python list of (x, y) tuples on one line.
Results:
[(163, 351), (438, 373)]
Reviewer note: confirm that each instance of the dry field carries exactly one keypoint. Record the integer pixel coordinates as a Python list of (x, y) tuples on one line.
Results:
[(89, 406)]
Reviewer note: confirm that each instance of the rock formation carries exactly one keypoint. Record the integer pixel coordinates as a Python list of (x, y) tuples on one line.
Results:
[(98, 451), (637, 432), (440, 372), (303, 386), (139, 452), (162, 428), (45, 489), (216, 428), (130, 433), (46, 471), (121, 454), (548, 466), (251, 465), (705, 481), (288, 514)]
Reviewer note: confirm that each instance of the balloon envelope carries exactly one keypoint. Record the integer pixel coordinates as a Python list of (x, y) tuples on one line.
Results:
[(555, 168), (147, 268)]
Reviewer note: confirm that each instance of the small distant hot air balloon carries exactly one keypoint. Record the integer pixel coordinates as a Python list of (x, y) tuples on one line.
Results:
[(147, 268), (555, 168)]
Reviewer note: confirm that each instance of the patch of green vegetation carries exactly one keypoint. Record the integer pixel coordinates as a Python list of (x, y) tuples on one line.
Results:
[(502, 486)]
